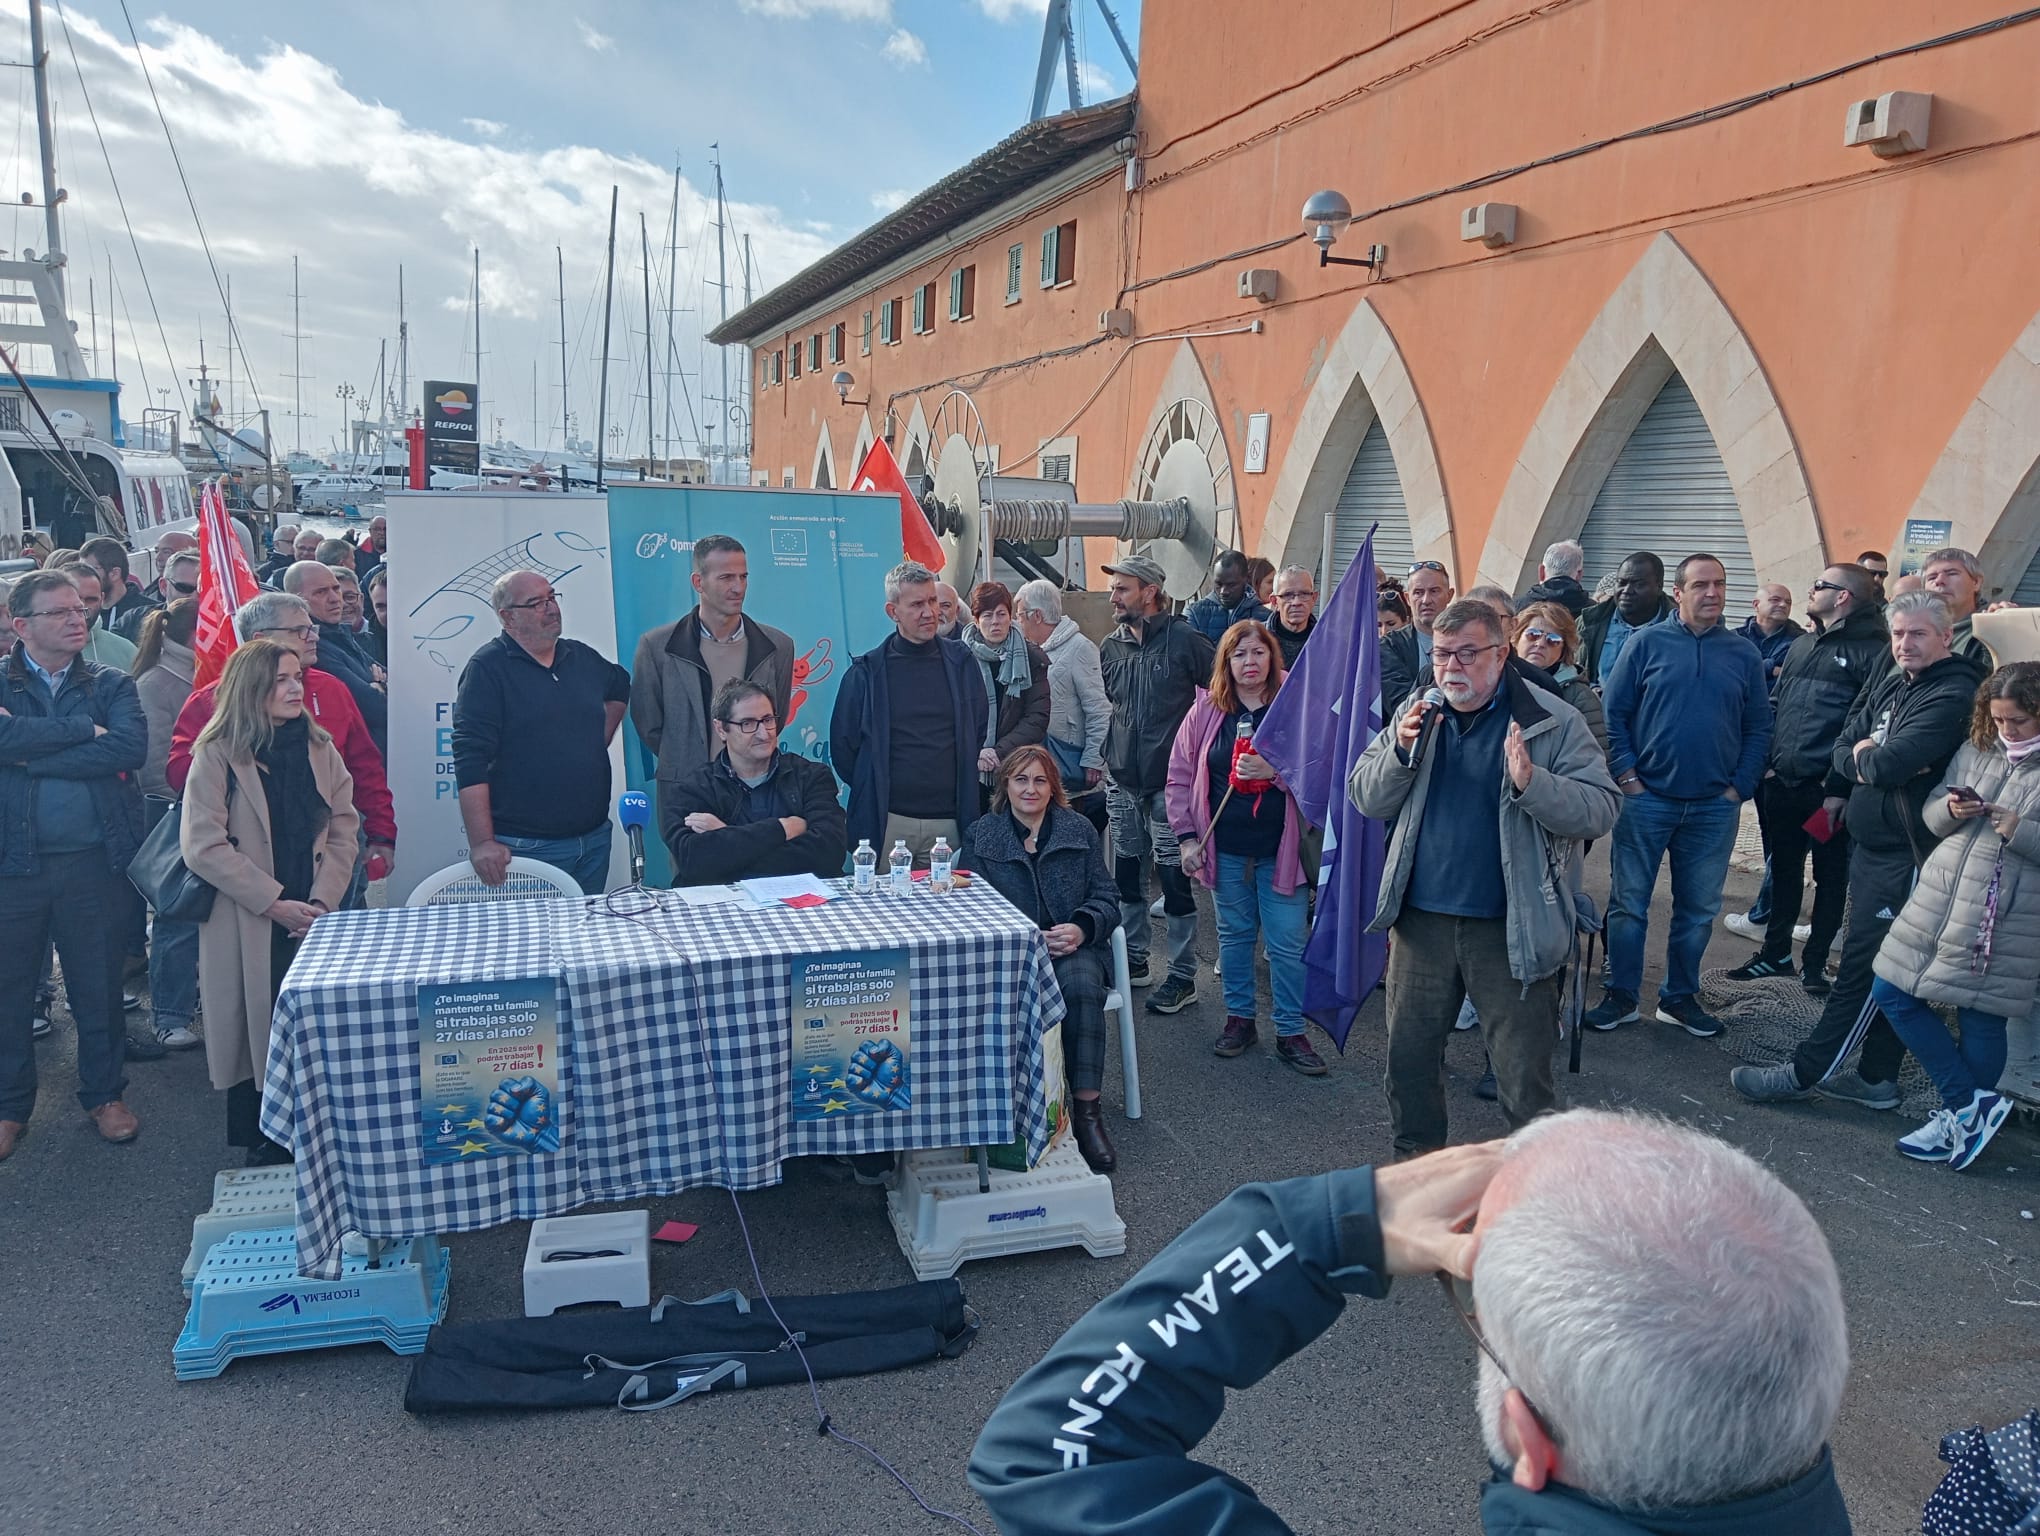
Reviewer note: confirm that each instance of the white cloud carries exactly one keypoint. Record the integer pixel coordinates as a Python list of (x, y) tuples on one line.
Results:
[(488, 128), (1009, 10), (905, 49), (1097, 83), (365, 191), (599, 42), (848, 10), (889, 199)]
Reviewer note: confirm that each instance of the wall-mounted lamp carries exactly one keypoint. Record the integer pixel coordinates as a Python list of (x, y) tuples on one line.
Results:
[(844, 383), (1327, 215)]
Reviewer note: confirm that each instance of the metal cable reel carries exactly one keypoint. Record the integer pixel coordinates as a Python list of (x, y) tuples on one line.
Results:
[(1185, 462), (974, 507)]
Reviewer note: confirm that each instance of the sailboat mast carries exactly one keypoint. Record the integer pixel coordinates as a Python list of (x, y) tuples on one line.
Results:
[(608, 308), (45, 132), (404, 349), (297, 363), (560, 262), (651, 423), (478, 366), (722, 272)]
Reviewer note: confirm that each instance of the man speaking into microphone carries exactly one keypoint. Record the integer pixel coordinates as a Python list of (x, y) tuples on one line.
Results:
[(1493, 785)]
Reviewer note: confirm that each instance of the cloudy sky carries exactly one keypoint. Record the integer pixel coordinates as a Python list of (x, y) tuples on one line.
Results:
[(369, 134)]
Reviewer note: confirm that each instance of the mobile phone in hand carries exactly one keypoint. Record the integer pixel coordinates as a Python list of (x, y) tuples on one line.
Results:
[(1964, 792)]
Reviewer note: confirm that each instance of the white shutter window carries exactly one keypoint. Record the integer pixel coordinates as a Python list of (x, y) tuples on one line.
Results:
[(1014, 256), (1051, 240), (956, 294), (867, 333), (920, 310)]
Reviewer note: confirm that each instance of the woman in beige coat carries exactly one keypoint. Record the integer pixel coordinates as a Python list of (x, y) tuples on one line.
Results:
[(1968, 937), (269, 823)]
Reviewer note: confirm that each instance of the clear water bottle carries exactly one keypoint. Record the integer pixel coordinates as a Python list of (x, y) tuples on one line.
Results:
[(902, 869), (865, 864), (941, 861)]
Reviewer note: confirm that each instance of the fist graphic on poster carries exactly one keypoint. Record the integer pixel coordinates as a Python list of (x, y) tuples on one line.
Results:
[(878, 1074), (520, 1111)]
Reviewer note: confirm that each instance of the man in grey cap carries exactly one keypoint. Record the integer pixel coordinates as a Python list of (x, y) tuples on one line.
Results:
[(1154, 663)]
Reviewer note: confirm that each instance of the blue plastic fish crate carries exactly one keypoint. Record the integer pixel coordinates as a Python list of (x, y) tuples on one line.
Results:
[(249, 1299)]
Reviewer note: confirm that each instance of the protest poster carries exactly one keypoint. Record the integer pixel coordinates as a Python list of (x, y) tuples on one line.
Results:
[(852, 1032), (488, 1068)]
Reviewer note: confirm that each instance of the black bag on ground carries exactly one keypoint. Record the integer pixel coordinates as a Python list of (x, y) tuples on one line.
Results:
[(651, 1357)]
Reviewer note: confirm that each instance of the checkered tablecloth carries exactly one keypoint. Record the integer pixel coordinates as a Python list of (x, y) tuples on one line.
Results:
[(675, 1051)]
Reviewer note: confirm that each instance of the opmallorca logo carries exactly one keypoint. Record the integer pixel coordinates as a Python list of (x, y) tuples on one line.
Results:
[(1038, 1213), (454, 402)]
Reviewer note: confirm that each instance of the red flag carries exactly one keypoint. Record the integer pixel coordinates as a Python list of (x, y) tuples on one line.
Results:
[(224, 583), (880, 472)]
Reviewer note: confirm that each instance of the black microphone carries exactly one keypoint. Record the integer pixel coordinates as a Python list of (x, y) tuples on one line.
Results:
[(1429, 728), (634, 810)]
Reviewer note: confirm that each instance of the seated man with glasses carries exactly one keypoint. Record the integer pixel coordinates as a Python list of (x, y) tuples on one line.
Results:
[(751, 809), (1490, 802), (1587, 1254)]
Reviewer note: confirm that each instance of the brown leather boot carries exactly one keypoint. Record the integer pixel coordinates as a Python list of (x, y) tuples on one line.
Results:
[(1087, 1121)]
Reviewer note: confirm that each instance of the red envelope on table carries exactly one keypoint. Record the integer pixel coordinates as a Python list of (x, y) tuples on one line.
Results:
[(1820, 826), (808, 900)]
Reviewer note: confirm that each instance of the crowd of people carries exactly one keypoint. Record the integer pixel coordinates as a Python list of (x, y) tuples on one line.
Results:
[(1875, 739)]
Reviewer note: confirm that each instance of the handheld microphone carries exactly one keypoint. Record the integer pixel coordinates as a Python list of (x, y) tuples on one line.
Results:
[(634, 810), (1436, 700)]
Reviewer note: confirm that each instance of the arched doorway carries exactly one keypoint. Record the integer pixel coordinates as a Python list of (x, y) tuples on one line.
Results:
[(1372, 497)]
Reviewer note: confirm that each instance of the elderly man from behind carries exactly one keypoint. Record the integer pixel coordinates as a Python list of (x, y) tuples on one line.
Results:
[(1295, 612), (72, 743), (1231, 599), (532, 723), (1662, 1344), (1558, 580), (753, 809), (908, 722), (1079, 713), (680, 668), (1490, 807)]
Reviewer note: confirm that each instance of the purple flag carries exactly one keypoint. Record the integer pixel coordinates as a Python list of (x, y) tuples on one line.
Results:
[(1325, 714)]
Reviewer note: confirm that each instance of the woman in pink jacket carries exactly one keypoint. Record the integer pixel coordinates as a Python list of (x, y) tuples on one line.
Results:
[(1242, 837)]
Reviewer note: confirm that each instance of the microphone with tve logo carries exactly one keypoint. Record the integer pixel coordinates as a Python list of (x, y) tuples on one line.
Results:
[(634, 810), (1435, 711)]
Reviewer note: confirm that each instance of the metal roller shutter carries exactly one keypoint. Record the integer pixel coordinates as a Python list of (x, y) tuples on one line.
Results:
[(1669, 493), (1372, 494), (2027, 593)]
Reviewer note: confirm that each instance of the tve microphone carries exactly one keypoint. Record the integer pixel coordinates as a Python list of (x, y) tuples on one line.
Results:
[(634, 810), (1427, 730)]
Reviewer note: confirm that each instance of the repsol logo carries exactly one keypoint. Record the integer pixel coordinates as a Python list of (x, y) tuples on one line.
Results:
[(1038, 1213)]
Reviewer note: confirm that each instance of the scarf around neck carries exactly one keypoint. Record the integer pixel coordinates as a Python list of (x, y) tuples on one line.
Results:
[(297, 813), (1004, 667)]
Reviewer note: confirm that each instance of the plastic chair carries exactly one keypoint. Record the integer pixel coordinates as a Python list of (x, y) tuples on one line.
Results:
[(1120, 1001), (528, 880)]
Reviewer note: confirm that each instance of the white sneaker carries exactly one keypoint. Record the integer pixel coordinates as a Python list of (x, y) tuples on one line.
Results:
[(1801, 932), (177, 1039), (1975, 1125), (1739, 922), (1467, 1019), (1155, 907), (1934, 1142)]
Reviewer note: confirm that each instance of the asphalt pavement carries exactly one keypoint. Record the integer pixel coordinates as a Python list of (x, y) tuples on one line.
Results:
[(1373, 1429)]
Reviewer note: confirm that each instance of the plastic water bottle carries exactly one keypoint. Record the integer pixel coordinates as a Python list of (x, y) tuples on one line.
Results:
[(865, 864), (941, 859), (902, 869)]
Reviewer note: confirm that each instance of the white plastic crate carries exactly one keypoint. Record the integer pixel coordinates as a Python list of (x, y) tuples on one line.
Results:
[(624, 1277), (244, 1200), (943, 1221)]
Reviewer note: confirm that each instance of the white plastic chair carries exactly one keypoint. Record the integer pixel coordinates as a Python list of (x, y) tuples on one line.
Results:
[(1120, 1001), (528, 880)]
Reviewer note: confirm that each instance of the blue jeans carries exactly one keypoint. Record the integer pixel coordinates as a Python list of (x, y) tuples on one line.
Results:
[(1699, 835), (173, 974), (1249, 906), (584, 858), (1958, 1070)]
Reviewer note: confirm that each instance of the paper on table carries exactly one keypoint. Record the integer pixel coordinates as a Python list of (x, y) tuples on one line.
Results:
[(771, 888), (705, 895)]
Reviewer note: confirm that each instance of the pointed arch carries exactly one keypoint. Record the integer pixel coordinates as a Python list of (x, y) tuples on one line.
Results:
[(913, 455), (865, 438), (1986, 483), (1362, 379), (823, 475), (1664, 316)]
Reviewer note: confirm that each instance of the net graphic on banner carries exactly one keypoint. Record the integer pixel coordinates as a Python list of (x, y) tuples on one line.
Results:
[(479, 579)]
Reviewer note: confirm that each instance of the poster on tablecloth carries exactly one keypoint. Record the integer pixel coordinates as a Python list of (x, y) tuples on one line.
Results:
[(851, 1034), (489, 1068)]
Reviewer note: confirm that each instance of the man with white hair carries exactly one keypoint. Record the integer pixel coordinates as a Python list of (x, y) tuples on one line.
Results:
[(1295, 612), (1558, 579), (1079, 712), (948, 609), (1662, 1343)]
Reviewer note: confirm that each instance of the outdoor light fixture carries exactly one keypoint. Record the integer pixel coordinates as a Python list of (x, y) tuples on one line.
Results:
[(844, 383), (1326, 215)]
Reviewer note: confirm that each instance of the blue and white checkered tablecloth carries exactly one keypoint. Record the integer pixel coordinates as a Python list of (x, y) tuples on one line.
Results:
[(646, 1004)]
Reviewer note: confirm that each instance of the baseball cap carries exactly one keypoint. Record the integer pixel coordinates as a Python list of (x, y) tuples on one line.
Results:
[(1141, 569)]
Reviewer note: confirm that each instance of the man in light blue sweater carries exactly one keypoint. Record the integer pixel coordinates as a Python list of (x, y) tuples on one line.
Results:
[(1689, 722)]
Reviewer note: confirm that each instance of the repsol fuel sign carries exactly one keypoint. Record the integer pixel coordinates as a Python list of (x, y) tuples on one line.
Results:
[(452, 427)]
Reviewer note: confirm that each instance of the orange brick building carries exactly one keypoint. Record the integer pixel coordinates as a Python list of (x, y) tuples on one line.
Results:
[(1676, 277)]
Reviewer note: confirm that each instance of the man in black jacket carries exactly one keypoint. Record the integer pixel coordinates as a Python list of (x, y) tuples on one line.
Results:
[(1824, 671), (1639, 600), (1888, 757), (752, 809), (1153, 664), (72, 740), (1558, 580), (1406, 652), (339, 652), (1605, 1410)]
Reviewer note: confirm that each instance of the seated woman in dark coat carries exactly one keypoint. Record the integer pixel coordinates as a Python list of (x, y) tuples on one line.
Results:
[(1046, 860)]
